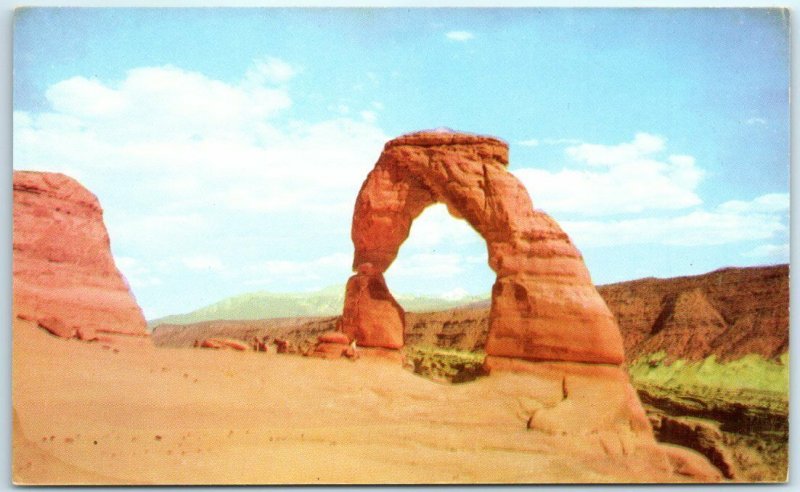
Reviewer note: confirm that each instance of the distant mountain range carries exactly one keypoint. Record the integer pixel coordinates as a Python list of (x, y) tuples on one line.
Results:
[(325, 302)]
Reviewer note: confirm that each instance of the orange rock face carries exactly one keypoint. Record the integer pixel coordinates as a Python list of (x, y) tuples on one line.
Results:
[(224, 343), (64, 274), (372, 316), (544, 305), (334, 337)]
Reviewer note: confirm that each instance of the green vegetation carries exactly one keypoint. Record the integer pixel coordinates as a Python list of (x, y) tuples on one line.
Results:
[(748, 393), (749, 397), (444, 364), (751, 372)]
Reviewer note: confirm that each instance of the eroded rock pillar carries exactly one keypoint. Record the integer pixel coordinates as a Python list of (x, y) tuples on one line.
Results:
[(371, 315)]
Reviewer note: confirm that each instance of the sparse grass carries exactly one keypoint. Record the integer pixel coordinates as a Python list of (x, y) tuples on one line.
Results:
[(445, 364), (748, 396), (751, 372)]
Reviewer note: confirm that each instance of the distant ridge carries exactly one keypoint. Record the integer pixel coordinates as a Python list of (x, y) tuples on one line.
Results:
[(729, 313), (325, 302)]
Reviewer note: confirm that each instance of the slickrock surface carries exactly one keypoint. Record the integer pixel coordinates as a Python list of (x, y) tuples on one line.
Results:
[(544, 306), (64, 274), (183, 416)]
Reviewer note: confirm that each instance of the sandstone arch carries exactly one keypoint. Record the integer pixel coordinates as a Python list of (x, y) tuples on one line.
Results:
[(544, 305)]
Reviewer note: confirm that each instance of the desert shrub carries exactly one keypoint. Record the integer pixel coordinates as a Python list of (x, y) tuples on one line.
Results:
[(445, 364)]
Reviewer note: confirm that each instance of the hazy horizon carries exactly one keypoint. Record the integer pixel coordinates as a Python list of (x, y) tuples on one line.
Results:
[(227, 146)]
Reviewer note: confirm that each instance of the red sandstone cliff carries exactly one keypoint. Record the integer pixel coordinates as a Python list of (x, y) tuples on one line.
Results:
[(729, 312), (64, 275)]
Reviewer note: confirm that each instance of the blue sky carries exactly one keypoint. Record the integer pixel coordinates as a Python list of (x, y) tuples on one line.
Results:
[(227, 146)]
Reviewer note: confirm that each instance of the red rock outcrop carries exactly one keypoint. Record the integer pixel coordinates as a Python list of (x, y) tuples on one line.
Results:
[(371, 315), (224, 343), (729, 313), (64, 274), (335, 337), (334, 344), (544, 306), (260, 345), (284, 346), (698, 434)]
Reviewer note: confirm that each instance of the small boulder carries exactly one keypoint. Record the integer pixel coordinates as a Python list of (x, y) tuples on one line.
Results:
[(328, 350), (690, 463), (283, 346), (223, 343), (210, 343), (351, 353), (260, 345), (57, 327), (334, 337), (86, 334)]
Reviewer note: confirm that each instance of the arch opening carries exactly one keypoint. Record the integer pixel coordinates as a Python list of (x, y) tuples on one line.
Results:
[(444, 259), (544, 306)]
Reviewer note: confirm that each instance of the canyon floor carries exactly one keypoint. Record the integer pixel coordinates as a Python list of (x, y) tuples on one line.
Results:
[(126, 412)]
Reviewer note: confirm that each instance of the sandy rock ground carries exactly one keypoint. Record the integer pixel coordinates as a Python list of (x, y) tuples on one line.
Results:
[(126, 412)]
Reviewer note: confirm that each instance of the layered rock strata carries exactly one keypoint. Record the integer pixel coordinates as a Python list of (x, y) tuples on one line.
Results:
[(729, 313), (544, 305), (64, 274)]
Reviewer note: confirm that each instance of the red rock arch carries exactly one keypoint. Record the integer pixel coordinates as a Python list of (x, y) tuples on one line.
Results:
[(544, 305)]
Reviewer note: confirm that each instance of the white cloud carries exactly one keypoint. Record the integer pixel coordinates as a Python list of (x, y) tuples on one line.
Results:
[(726, 224), (531, 142), (293, 270), (158, 103), (770, 252), (461, 36), (152, 231), (642, 145), (270, 71), (84, 97), (612, 179), (427, 265), (164, 129), (642, 179), (478, 259), (773, 202), (369, 116), (137, 274), (180, 160), (561, 141), (455, 294), (435, 227)]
